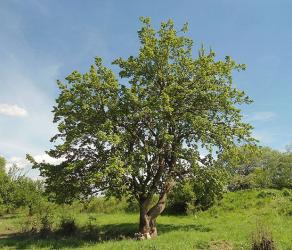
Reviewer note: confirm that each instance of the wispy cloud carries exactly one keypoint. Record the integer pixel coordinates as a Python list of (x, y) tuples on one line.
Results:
[(12, 110), (25, 167), (22, 163), (261, 116), (268, 136)]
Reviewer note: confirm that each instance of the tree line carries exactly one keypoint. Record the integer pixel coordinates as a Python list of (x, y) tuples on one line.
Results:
[(263, 168)]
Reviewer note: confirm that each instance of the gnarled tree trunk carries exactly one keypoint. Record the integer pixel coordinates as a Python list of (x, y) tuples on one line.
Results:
[(147, 226), (144, 226)]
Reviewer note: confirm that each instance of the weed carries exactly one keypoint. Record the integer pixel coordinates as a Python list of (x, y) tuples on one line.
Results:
[(262, 238)]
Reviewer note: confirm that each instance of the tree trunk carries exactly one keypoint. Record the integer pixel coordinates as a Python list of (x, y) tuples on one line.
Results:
[(147, 226), (144, 226), (153, 228)]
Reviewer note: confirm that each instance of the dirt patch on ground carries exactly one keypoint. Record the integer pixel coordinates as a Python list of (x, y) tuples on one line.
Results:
[(220, 245)]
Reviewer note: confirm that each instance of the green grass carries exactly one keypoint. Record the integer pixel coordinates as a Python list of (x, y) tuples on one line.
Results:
[(228, 225)]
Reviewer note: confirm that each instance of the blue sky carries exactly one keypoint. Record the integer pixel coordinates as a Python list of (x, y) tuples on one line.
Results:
[(45, 40)]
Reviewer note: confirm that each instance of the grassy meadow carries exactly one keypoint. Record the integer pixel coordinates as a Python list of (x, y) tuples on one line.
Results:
[(230, 224)]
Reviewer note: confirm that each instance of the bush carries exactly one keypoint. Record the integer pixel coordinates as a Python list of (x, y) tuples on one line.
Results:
[(209, 186), (132, 206), (262, 239), (265, 194), (240, 182), (3, 209), (286, 192), (180, 199), (68, 226), (198, 193), (43, 221), (30, 225), (285, 209), (91, 231), (46, 224)]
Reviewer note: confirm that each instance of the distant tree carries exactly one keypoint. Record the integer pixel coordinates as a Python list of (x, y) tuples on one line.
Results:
[(17, 190), (138, 138), (289, 148), (5, 184), (2, 165), (24, 192), (241, 160), (279, 171), (259, 167)]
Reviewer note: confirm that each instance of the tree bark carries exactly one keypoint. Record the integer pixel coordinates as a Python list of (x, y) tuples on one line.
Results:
[(144, 226), (153, 228), (147, 226)]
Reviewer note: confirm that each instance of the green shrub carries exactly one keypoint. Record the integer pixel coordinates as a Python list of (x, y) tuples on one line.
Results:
[(42, 221), (265, 194), (67, 226), (3, 209), (285, 209), (198, 193), (209, 186), (30, 225), (213, 211), (181, 199), (91, 231), (133, 206), (286, 192), (240, 182), (46, 224)]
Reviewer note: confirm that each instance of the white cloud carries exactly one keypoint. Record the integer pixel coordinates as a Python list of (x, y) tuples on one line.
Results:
[(12, 110), (18, 161), (48, 159), (25, 166), (261, 116), (23, 163)]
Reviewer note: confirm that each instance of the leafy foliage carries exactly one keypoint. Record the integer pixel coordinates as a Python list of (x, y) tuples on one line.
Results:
[(198, 193), (2, 165), (17, 191), (209, 186), (137, 139), (181, 199), (263, 168)]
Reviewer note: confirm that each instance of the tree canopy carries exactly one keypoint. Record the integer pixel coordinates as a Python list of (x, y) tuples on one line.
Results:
[(140, 135)]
